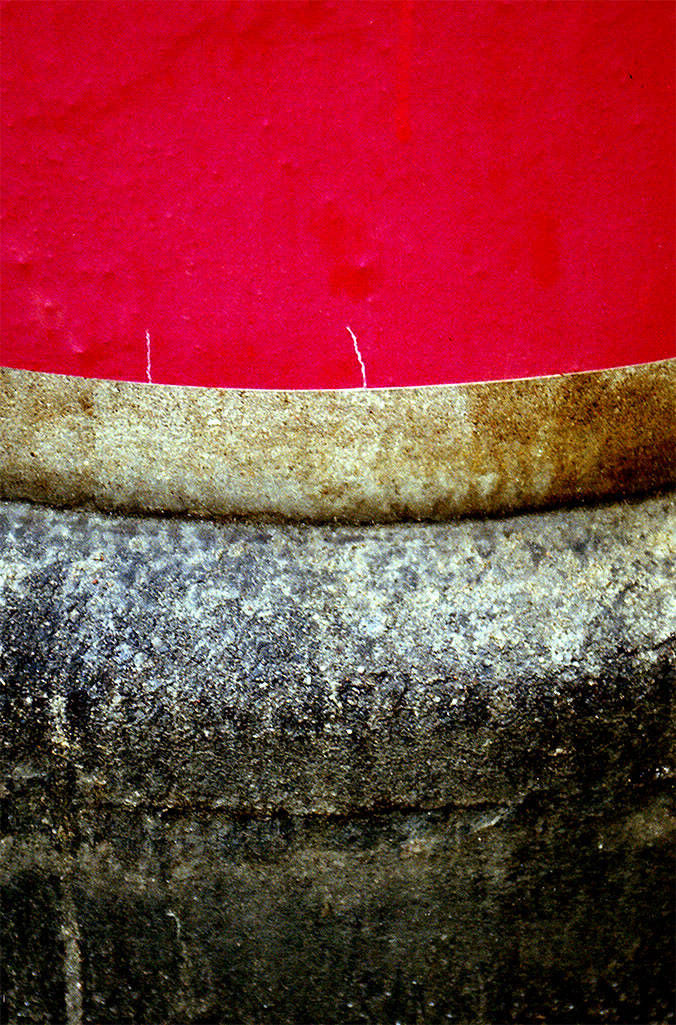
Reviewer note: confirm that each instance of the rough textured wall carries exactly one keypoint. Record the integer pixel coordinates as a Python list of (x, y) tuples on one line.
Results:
[(415, 773)]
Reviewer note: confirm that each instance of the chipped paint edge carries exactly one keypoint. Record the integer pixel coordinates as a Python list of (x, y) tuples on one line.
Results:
[(431, 452)]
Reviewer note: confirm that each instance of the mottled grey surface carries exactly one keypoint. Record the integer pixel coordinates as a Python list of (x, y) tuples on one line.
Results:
[(255, 772)]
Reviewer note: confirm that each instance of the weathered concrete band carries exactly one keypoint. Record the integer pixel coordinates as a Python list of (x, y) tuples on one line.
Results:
[(290, 773), (325, 669), (357, 455)]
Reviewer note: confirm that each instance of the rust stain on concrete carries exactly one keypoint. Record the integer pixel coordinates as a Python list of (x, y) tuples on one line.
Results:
[(357, 455)]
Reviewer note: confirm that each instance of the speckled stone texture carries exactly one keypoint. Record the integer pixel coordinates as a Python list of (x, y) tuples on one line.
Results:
[(358, 455), (255, 772)]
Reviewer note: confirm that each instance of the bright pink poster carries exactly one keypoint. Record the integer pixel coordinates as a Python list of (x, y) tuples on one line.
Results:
[(322, 195)]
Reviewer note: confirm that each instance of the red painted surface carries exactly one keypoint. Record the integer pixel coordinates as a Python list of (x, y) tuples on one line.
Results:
[(477, 190)]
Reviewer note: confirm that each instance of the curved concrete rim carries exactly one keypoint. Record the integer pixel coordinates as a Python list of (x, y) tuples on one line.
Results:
[(430, 452)]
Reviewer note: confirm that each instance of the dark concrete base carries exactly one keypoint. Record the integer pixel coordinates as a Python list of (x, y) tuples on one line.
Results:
[(294, 774)]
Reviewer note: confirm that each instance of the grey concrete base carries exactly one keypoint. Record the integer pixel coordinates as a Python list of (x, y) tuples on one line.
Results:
[(287, 773)]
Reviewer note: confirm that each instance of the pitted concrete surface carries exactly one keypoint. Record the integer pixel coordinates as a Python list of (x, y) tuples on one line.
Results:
[(290, 773)]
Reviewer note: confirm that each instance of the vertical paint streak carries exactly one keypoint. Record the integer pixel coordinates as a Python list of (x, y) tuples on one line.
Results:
[(544, 248), (403, 116)]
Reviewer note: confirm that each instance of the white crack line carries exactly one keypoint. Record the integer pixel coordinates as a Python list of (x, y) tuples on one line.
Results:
[(358, 355), (148, 368)]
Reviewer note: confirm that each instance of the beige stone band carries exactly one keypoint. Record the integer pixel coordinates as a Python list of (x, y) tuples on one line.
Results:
[(382, 454)]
